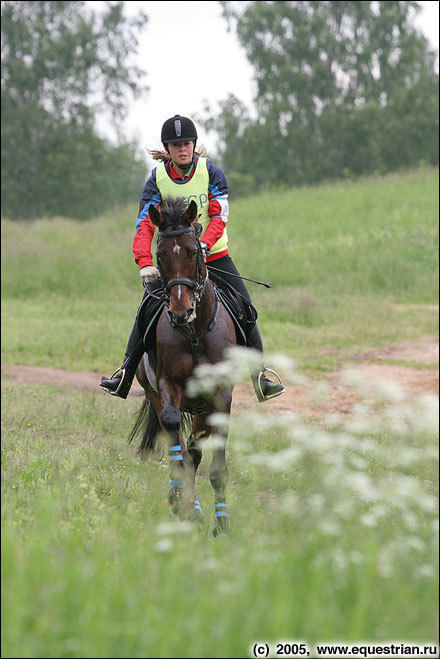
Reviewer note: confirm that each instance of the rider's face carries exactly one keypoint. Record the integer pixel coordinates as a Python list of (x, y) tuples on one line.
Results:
[(181, 152)]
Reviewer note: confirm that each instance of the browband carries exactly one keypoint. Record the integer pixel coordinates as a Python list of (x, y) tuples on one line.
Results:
[(178, 232)]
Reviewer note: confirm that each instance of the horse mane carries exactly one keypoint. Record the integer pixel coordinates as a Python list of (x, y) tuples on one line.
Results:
[(173, 212)]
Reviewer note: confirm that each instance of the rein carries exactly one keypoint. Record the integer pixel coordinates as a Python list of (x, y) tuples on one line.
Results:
[(262, 283)]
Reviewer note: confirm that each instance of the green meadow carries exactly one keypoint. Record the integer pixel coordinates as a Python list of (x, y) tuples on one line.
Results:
[(334, 526), (342, 258)]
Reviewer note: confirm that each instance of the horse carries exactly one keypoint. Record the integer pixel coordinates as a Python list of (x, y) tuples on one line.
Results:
[(193, 328)]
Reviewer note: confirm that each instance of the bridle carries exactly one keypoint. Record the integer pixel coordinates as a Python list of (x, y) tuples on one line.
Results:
[(198, 287), (198, 284)]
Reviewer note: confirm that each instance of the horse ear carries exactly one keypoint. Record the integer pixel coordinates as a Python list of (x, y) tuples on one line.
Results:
[(191, 212), (155, 215)]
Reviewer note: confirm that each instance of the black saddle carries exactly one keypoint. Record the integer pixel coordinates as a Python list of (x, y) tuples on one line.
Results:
[(242, 312)]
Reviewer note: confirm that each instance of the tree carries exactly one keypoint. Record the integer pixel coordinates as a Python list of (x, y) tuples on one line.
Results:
[(62, 63), (334, 79)]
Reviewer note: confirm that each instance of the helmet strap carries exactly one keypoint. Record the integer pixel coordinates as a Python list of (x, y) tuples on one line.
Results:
[(185, 168)]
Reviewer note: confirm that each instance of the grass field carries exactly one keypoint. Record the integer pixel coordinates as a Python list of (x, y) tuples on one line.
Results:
[(340, 256), (334, 526)]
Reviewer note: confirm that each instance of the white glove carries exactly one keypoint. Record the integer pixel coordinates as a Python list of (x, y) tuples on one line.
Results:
[(148, 274), (205, 250)]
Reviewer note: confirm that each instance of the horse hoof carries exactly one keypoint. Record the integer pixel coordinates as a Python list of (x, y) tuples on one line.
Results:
[(219, 534)]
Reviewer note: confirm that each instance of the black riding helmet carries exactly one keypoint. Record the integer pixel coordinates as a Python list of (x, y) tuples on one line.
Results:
[(178, 129)]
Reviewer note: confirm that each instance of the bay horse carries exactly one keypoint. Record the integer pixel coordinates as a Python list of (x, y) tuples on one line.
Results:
[(193, 328)]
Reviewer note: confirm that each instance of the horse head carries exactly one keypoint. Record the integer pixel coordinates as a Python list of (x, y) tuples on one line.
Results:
[(179, 257)]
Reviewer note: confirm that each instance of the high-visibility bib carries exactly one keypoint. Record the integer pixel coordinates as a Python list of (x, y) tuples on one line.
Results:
[(195, 189)]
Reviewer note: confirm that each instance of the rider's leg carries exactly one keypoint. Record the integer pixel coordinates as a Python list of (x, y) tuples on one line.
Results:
[(120, 382)]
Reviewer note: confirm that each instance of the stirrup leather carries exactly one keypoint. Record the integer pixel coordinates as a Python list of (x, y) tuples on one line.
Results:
[(115, 392), (260, 395)]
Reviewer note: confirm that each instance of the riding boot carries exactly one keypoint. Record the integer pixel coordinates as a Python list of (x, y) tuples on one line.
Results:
[(263, 387), (120, 382)]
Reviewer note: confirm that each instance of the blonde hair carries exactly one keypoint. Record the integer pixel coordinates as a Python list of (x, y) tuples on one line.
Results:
[(164, 156)]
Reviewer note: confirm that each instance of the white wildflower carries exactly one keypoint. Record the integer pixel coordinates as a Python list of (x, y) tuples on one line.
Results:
[(329, 527), (410, 520), (316, 501), (362, 485), (279, 461), (425, 571), (213, 442), (164, 545), (416, 543), (168, 528), (289, 504), (386, 560), (356, 557), (388, 391), (369, 519)]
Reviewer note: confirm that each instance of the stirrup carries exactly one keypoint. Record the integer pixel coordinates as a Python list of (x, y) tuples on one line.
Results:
[(258, 389), (116, 391)]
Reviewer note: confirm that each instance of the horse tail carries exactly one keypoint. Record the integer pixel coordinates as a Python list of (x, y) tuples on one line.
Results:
[(146, 424)]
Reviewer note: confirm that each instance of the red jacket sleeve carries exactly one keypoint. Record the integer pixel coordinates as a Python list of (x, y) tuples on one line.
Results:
[(144, 227), (142, 243)]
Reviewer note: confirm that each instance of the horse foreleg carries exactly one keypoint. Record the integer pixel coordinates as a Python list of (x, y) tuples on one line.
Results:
[(181, 465), (218, 472), (200, 430), (218, 475)]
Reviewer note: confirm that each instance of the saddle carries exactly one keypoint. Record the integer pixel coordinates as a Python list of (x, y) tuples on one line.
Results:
[(242, 312)]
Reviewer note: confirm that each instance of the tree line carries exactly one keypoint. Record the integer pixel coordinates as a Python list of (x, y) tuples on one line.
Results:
[(62, 64), (342, 89)]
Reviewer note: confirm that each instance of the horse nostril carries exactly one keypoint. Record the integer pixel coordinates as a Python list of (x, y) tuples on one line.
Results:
[(180, 319)]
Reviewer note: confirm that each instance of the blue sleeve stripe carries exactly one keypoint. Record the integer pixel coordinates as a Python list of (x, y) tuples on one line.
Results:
[(156, 199), (219, 194)]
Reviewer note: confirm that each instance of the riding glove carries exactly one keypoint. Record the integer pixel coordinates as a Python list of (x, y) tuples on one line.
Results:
[(148, 274), (205, 250)]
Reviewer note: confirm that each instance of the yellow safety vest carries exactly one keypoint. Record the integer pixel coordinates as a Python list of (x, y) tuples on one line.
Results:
[(195, 189)]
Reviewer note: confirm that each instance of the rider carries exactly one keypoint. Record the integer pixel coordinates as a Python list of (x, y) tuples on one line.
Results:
[(185, 172)]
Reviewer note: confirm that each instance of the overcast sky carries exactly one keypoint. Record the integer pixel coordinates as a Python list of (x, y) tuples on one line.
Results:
[(189, 56)]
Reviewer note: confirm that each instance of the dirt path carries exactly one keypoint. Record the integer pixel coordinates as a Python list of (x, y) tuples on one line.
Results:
[(339, 395)]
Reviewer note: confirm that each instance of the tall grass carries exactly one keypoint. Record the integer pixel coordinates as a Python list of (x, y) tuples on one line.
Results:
[(334, 533), (334, 528), (340, 257)]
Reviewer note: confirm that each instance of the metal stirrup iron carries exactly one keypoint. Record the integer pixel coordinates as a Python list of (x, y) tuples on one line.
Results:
[(115, 392), (278, 393)]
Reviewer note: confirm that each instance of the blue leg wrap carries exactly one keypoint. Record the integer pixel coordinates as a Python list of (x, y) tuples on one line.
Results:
[(221, 513), (175, 484), (197, 505), (176, 449)]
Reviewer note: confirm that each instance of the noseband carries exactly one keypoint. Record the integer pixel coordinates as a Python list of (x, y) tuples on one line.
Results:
[(197, 284)]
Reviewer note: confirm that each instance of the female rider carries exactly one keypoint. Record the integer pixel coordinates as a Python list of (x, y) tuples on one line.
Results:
[(185, 172)]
